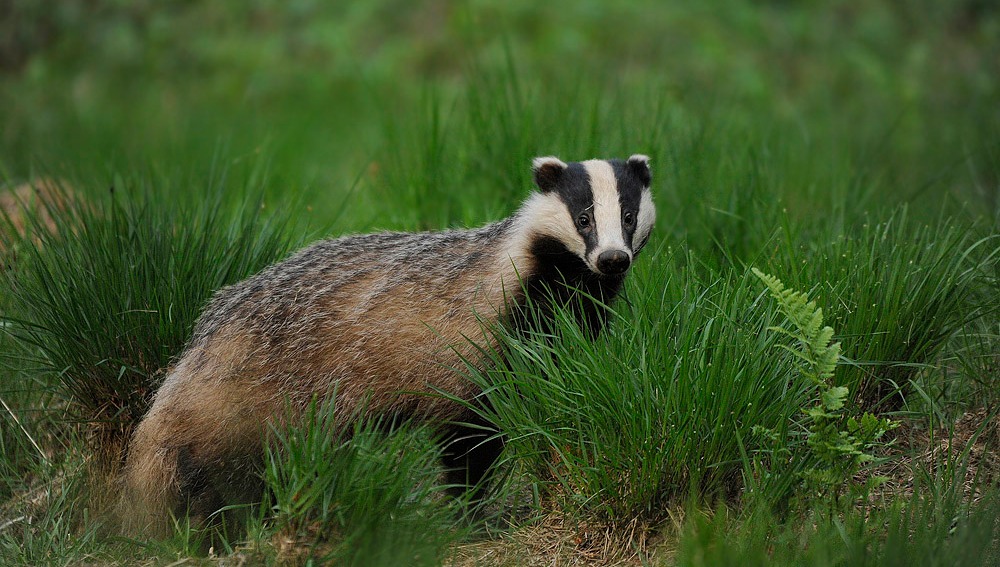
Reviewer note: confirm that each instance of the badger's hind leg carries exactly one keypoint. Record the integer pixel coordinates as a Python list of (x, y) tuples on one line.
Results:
[(194, 453), (470, 451), (151, 491)]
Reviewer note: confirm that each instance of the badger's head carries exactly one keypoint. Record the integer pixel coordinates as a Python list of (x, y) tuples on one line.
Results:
[(599, 210)]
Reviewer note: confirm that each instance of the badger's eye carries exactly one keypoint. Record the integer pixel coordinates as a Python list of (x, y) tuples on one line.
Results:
[(628, 219), (583, 221)]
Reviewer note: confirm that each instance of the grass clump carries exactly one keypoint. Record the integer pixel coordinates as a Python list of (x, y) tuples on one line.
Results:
[(899, 291), (615, 431), (359, 497), (100, 305)]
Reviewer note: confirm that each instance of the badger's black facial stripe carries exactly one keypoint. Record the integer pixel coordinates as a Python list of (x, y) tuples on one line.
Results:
[(630, 185), (575, 191)]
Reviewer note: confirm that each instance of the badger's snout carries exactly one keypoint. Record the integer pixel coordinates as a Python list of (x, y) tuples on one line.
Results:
[(613, 262)]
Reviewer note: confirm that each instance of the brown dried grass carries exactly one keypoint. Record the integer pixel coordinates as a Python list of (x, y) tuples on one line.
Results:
[(31, 207), (968, 450)]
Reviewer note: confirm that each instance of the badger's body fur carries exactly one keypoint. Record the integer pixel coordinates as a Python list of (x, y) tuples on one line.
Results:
[(382, 320)]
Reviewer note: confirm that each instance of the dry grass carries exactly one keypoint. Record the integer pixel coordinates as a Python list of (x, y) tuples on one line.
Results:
[(30, 207), (558, 540), (967, 455)]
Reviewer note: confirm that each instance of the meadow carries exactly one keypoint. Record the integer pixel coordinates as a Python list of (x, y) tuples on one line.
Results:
[(803, 368)]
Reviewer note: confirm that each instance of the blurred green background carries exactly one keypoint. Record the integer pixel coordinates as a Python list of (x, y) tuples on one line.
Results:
[(326, 93)]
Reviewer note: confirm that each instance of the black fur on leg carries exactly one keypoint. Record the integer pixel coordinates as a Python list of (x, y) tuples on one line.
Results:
[(199, 499), (217, 497), (470, 451)]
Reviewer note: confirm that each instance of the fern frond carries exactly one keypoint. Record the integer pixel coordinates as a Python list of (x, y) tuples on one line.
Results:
[(820, 357), (837, 441)]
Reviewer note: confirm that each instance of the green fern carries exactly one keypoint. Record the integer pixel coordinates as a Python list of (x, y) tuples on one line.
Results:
[(838, 443), (819, 356)]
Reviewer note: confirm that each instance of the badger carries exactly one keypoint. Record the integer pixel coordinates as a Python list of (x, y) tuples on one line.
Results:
[(383, 323)]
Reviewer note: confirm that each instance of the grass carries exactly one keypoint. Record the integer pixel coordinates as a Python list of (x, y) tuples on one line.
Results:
[(607, 425), (102, 303), (926, 531), (850, 151), (363, 499), (895, 270)]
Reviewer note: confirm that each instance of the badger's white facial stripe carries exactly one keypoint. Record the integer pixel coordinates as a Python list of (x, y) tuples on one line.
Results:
[(607, 210)]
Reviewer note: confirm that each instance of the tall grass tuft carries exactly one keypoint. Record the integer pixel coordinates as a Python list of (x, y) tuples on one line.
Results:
[(101, 304), (898, 291), (370, 495)]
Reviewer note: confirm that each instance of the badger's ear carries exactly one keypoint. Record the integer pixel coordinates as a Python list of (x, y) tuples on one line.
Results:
[(548, 170), (639, 165)]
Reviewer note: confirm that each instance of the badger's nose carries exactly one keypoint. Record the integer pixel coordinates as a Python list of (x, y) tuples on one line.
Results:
[(613, 262)]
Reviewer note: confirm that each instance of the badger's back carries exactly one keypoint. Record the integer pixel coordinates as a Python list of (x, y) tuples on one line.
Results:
[(374, 315)]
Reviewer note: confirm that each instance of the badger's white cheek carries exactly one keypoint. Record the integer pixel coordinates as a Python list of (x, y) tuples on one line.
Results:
[(559, 225), (546, 215), (574, 242)]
